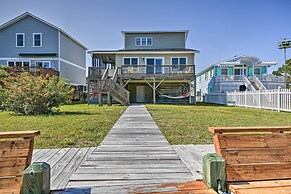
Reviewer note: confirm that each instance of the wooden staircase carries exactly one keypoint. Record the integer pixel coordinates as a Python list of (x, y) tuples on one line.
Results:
[(112, 89), (255, 85), (104, 84)]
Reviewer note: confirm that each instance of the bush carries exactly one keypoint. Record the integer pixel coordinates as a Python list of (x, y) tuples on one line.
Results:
[(31, 95)]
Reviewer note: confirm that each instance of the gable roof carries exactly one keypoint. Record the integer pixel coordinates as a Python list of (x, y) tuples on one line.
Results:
[(27, 14)]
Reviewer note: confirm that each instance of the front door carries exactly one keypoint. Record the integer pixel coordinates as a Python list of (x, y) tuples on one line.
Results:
[(140, 93), (154, 65)]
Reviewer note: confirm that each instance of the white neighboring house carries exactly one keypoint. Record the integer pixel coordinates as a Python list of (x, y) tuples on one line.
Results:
[(30, 41)]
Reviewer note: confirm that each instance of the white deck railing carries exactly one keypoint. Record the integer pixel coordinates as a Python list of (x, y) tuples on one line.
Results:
[(279, 99)]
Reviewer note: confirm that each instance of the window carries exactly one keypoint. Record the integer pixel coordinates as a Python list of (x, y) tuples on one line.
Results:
[(223, 71), (143, 41), (25, 63), (130, 61), (257, 71), (20, 40), (37, 40), (18, 63), (45, 64), (179, 63)]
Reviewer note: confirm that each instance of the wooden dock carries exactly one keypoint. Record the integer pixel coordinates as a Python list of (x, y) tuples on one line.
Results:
[(133, 155), (64, 162)]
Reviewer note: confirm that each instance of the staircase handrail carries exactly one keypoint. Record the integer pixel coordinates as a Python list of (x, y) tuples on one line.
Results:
[(249, 84), (105, 74), (120, 91), (260, 84), (115, 74)]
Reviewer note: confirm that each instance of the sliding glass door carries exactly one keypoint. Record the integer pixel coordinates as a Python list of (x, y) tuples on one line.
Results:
[(154, 65)]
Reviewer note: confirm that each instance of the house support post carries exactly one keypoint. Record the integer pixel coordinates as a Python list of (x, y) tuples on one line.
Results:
[(100, 100), (190, 98), (154, 91), (109, 99)]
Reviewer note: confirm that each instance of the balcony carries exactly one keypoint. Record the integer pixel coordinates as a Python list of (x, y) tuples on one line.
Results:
[(33, 70), (158, 72), (146, 72)]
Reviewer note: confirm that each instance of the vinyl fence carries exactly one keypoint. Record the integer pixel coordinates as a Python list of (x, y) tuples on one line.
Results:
[(279, 99)]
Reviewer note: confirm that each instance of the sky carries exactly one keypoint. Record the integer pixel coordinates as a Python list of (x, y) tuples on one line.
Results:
[(219, 29)]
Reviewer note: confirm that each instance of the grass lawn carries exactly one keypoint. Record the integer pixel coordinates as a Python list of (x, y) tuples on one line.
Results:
[(188, 124), (77, 125)]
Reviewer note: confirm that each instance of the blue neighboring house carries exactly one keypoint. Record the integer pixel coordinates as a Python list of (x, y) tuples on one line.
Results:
[(28, 40)]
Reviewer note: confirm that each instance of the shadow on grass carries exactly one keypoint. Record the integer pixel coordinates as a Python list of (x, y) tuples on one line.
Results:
[(209, 104), (197, 104), (57, 113)]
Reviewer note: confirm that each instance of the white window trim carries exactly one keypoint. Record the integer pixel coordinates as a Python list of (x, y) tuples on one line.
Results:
[(140, 40), (17, 40), (178, 61), (130, 60), (40, 39)]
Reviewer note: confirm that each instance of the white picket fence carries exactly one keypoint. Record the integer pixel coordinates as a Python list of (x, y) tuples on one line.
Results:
[(279, 99)]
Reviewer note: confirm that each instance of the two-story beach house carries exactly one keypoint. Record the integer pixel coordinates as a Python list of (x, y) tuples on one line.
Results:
[(153, 67), (28, 41), (238, 73)]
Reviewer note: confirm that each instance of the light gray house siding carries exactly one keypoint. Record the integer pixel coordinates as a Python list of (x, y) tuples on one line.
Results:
[(76, 75), (163, 40), (69, 60), (28, 26), (72, 52)]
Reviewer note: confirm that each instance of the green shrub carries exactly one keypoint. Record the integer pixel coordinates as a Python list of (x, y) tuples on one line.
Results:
[(32, 95)]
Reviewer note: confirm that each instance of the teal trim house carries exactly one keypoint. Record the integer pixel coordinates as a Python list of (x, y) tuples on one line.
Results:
[(239, 73)]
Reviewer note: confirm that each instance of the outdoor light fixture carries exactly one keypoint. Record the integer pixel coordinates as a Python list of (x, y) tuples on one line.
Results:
[(284, 44)]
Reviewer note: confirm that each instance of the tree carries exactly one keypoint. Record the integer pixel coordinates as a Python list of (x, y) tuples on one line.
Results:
[(31, 95), (281, 72)]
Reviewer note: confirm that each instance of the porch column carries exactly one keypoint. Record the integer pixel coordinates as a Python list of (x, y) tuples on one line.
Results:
[(154, 91)]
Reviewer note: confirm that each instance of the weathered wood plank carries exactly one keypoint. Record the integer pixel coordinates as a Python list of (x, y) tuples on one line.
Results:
[(253, 140), (19, 134), (93, 170), (249, 129), (260, 184), (71, 167), (10, 185), (259, 171), (256, 155), (105, 176), (39, 154)]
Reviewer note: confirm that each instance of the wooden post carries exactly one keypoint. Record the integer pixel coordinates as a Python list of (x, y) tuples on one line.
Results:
[(154, 91), (214, 170), (36, 178), (100, 99), (109, 99)]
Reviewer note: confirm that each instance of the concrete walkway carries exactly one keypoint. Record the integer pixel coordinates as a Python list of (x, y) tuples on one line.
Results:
[(134, 154)]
